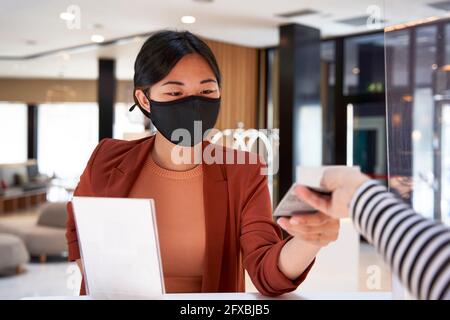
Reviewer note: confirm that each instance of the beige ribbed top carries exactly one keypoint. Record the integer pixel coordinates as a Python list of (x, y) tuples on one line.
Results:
[(180, 218)]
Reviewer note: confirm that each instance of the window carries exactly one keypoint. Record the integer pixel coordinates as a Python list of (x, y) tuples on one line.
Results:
[(67, 135), (127, 123), (13, 132), (364, 64)]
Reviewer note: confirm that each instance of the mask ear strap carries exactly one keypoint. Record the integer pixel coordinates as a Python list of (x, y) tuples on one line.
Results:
[(145, 112)]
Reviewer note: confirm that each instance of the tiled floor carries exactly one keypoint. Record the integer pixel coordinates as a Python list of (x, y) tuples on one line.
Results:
[(49, 279)]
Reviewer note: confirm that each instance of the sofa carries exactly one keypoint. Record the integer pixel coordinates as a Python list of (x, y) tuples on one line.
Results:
[(43, 235), (13, 254)]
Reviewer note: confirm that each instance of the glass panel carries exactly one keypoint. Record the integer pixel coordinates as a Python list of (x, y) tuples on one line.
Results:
[(447, 43), (397, 54), (366, 138), (13, 132), (422, 146), (67, 135), (425, 55), (445, 178), (364, 64), (418, 120)]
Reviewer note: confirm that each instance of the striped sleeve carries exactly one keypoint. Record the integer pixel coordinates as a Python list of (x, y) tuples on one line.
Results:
[(416, 248)]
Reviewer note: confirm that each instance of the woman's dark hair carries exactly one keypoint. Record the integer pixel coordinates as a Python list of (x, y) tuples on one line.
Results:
[(161, 52)]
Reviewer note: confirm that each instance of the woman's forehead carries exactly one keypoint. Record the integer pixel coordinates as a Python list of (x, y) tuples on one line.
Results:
[(192, 68)]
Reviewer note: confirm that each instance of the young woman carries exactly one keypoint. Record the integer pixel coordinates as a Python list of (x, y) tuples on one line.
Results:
[(213, 219)]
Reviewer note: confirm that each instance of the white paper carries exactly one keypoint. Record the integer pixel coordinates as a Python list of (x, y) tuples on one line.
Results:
[(119, 247)]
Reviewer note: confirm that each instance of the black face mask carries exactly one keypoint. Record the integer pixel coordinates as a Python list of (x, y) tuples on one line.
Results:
[(194, 114)]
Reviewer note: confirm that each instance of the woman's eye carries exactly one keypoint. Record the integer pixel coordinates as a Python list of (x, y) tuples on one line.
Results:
[(208, 91), (174, 94)]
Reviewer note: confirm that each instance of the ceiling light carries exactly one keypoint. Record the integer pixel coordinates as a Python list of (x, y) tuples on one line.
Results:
[(188, 19), (416, 135), (97, 38), (67, 16)]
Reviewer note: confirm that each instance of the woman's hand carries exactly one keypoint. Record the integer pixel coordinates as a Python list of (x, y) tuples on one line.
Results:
[(317, 229), (310, 233)]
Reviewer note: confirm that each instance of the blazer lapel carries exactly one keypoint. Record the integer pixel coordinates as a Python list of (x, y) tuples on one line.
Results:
[(215, 200), (126, 172)]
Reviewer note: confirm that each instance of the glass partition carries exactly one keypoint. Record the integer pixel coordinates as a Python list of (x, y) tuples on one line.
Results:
[(418, 102)]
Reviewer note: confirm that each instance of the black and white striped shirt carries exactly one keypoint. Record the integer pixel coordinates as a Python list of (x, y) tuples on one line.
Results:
[(416, 248)]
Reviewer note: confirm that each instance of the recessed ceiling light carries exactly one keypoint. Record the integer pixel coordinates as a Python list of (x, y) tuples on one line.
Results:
[(67, 16), (97, 38), (188, 19)]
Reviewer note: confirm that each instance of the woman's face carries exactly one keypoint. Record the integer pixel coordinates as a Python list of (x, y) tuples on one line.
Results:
[(192, 75)]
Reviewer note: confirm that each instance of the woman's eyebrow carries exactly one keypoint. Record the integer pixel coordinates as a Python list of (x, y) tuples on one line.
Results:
[(173, 82), (207, 80)]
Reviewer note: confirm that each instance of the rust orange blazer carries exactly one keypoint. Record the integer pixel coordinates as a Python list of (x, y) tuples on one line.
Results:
[(240, 232)]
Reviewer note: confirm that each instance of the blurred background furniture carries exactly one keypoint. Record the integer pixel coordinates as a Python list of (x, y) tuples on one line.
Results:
[(13, 254), (44, 234), (21, 186)]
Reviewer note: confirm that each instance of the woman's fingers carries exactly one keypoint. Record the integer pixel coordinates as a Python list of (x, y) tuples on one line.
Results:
[(310, 219), (326, 232), (315, 200), (329, 227)]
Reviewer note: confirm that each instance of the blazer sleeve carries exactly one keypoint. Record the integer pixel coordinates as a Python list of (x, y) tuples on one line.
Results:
[(261, 239), (84, 188)]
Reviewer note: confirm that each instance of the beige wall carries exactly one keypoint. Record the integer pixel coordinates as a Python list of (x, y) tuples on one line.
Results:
[(57, 90), (239, 67)]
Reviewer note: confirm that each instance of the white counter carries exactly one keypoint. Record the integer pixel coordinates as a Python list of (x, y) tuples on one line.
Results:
[(254, 296)]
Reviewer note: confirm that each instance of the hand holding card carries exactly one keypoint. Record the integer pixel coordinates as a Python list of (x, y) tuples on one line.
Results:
[(310, 177)]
